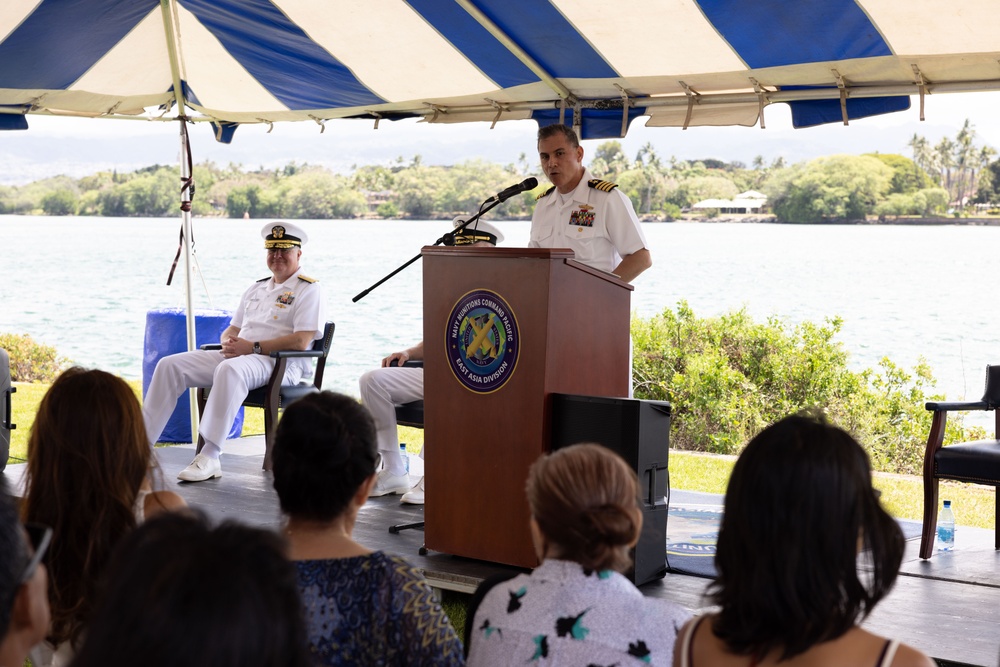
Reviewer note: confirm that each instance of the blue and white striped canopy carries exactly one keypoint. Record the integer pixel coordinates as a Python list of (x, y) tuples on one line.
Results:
[(592, 63)]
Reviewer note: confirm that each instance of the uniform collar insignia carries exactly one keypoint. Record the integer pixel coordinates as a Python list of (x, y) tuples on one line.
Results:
[(545, 193)]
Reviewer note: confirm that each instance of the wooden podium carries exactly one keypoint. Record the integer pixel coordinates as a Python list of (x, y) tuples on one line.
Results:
[(536, 322)]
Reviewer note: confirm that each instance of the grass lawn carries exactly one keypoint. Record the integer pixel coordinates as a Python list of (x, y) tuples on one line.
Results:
[(23, 406), (902, 495)]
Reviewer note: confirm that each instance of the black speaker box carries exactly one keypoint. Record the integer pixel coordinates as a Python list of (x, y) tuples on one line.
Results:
[(5, 391), (639, 431)]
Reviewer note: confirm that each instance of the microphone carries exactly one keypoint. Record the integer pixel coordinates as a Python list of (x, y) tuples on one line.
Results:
[(529, 183)]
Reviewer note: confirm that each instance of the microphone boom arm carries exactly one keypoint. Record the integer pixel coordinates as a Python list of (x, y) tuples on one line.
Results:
[(486, 207)]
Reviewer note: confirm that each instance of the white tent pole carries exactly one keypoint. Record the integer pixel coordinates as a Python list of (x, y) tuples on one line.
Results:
[(192, 340), (186, 228), (168, 9)]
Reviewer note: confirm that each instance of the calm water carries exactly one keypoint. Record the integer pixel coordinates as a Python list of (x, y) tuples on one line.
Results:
[(84, 285)]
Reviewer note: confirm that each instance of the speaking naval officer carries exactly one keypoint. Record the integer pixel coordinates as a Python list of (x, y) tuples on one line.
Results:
[(281, 312), (590, 216)]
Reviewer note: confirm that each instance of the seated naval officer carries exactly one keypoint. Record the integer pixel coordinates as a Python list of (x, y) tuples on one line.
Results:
[(281, 312), (384, 388)]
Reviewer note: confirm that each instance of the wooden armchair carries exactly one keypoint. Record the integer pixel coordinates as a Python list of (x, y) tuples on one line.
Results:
[(975, 462), (272, 396)]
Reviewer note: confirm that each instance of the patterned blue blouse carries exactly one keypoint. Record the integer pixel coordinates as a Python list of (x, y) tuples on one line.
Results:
[(374, 610)]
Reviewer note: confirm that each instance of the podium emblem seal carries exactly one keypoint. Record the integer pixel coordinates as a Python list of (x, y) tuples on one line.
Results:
[(483, 341)]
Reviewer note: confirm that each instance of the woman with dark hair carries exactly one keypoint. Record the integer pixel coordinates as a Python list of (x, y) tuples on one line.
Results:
[(575, 608), (88, 477), (799, 509), (361, 607), (179, 592)]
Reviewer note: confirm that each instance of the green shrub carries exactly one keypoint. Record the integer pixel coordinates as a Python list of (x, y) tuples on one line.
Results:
[(388, 210), (671, 211), (59, 202), (728, 377), (31, 361)]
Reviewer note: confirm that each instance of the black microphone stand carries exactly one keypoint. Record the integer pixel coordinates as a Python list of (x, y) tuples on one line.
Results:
[(447, 238)]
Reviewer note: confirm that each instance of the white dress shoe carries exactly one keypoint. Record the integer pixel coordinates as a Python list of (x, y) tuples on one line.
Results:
[(386, 483), (200, 469), (414, 496)]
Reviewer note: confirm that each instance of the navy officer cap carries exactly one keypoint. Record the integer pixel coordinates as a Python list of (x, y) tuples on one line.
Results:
[(478, 230), (283, 235)]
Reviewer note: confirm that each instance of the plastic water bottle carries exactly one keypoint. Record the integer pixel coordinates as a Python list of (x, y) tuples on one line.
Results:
[(406, 459), (946, 528)]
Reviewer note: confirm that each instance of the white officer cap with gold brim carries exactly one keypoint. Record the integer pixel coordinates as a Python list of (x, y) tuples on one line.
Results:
[(478, 230), (283, 235)]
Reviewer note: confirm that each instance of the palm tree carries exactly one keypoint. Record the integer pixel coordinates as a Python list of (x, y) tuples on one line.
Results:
[(921, 152), (982, 161), (523, 167), (965, 156), (649, 162), (944, 152), (609, 161)]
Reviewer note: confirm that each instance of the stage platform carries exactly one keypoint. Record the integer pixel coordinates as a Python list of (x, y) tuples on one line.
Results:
[(947, 606)]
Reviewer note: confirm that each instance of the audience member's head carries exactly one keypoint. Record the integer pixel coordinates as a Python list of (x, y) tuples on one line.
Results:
[(324, 451), (88, 456), (24, 605), (584, 507), (799, 507), (179, 592)]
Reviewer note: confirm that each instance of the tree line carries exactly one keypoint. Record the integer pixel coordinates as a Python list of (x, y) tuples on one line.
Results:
[(952, 176)]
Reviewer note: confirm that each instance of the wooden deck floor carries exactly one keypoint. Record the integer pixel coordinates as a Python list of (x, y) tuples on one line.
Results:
[(947, 607)]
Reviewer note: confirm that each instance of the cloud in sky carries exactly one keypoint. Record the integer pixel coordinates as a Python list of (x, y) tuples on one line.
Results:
[(77, 147)]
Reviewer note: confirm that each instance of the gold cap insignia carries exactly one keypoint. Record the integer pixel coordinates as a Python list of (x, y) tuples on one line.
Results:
[(284, 235)]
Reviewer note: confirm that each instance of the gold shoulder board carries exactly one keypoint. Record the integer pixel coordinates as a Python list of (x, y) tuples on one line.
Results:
[(604, 186), (306, 278), (545, 193)]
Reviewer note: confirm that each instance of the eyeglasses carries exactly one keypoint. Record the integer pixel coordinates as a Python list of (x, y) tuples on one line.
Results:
[(280, 251), (39, 536)]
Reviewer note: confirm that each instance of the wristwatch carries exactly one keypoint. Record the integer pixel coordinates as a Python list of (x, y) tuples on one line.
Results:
[(256, 348)]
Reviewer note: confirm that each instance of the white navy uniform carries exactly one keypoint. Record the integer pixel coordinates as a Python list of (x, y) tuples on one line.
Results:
[(596, 221), (381, 390), (267, 310)]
